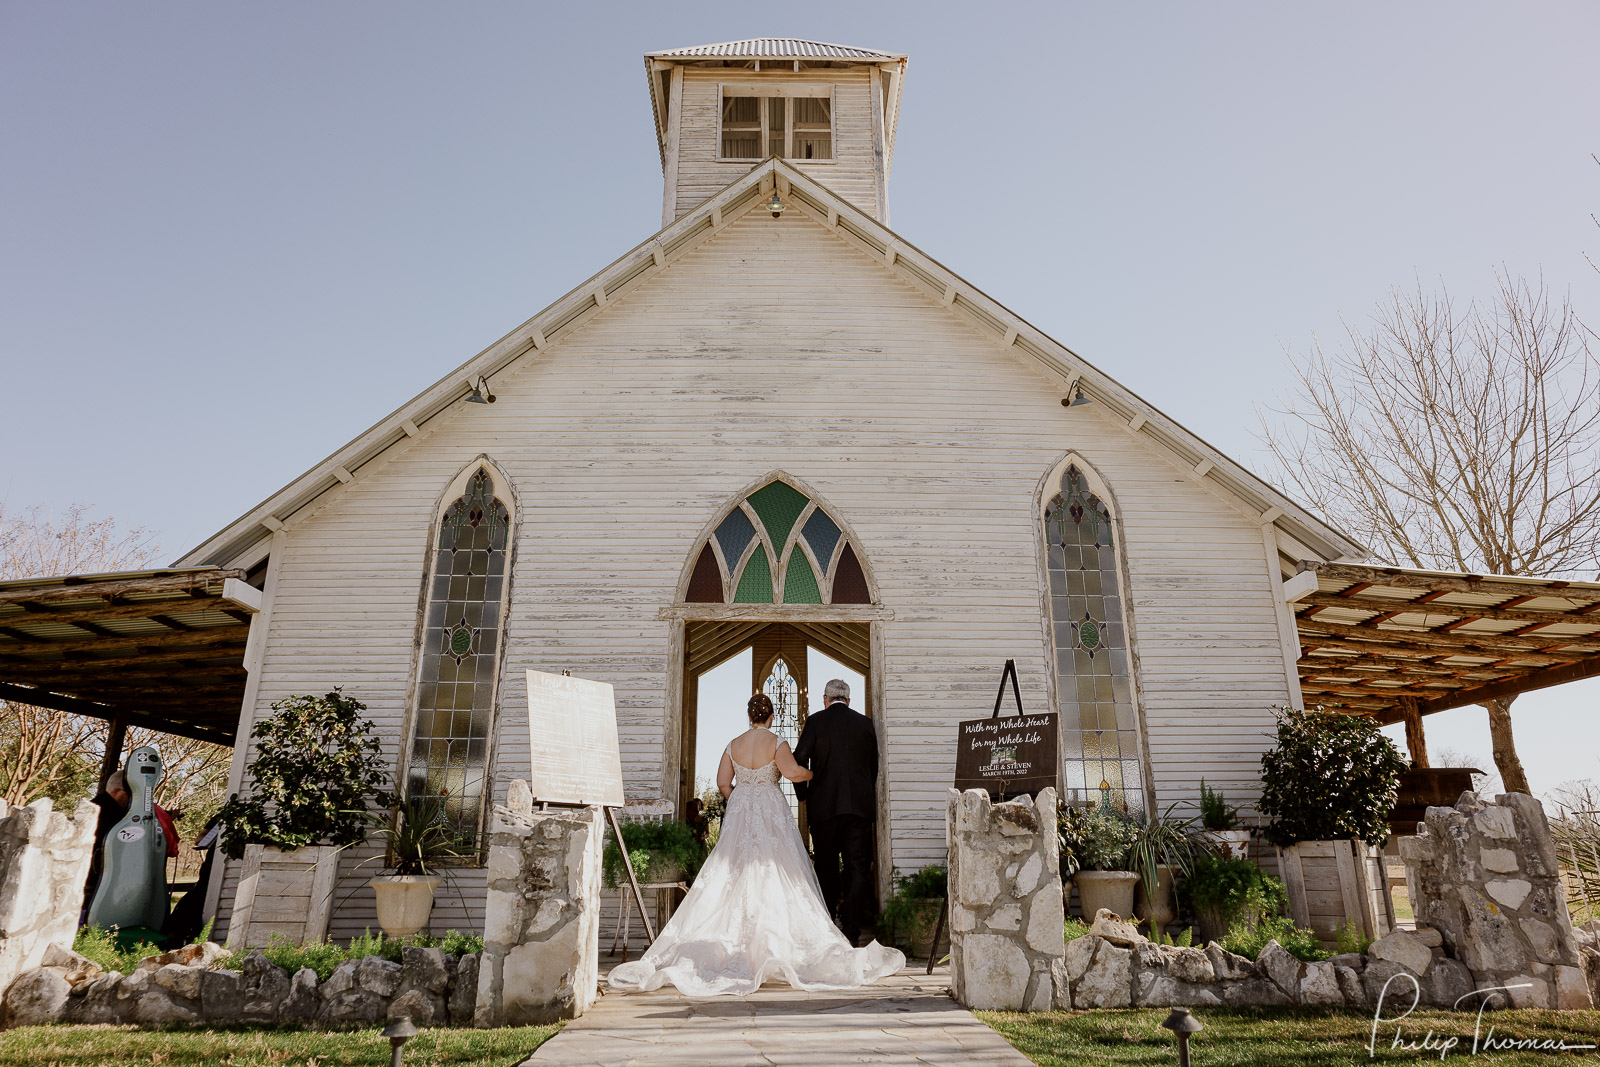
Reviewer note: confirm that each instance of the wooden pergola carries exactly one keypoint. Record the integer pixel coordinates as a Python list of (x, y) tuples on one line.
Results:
[(1398, 644), (160, 649)]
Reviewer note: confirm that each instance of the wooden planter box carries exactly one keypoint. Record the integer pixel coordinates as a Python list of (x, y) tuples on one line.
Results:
[(287, 893), (1330, 882)]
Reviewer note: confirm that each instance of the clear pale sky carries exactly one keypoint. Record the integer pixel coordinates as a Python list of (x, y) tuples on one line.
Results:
[(233, 236)]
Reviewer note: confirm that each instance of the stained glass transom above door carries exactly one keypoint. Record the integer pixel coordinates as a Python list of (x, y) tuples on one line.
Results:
[(778, 546)]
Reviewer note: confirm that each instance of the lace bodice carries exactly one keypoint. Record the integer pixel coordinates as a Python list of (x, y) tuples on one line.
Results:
[(764, 775)]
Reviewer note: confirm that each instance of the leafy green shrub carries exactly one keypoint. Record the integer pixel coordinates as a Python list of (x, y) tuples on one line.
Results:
[(652, 846), (1330, 777), (1106, 836), (1161, 841), (317, 764), (1249, 939), (1216, 814), (101, 946), (1351, 938), (1074, 928), (1230, 889), (1183, 940), (910, 895), (320, 956)]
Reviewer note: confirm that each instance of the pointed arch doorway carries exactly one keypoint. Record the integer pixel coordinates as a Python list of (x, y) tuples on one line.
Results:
[(775, 572)]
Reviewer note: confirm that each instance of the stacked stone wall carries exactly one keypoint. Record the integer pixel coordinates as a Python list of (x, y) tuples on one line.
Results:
[(541, 941), (1485, 876), (1006, 914), (44, 859)]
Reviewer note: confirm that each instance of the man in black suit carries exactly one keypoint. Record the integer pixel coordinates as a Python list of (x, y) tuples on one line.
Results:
[(840, 747)]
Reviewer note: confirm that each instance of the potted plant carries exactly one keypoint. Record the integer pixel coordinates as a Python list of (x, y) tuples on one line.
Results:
[(1329, 785), (421, 843), (1162, 849), (912, 911), (663, 851), (1222, 892), (1105, 837), (1220, 822), (316, 768)]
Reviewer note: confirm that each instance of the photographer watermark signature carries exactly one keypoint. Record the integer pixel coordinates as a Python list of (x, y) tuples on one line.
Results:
[(1444, 1044)]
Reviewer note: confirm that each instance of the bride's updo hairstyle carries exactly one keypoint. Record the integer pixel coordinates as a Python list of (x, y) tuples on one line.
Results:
[(760, 709)]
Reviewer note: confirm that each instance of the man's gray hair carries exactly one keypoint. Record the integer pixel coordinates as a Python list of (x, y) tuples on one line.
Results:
[(116, 782), (836, 692)]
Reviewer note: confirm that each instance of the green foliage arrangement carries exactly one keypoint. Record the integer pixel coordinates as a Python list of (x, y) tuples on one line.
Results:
[(1161, 841), (1073, 929), (101, 946), (1232, 889), (320, 956), (1330, 777), (1069, 837), (1351, 938), (1182, 940), (1105, 839), (317, 765), (653, 846), (1216, 814), (1248, 939), (910, 896), (454, 943), (420, 839)]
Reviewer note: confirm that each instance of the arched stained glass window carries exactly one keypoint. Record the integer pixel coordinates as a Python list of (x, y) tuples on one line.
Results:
[(1094, 683), (459, 666), (777, 546), (784, 692)]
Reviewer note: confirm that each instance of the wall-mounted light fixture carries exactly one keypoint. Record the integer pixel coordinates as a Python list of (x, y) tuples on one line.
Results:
[(775, 205), (1075, 399), (481, 393)]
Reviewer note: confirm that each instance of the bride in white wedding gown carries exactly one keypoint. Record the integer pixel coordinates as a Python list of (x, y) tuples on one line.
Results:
[(755, 911)]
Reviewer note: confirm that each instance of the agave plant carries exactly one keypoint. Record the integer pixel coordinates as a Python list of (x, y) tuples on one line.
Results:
[(420, 838), (1161, 841)]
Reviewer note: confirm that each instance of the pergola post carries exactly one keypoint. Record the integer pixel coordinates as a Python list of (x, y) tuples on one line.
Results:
[(114, 741), (1416, 741)]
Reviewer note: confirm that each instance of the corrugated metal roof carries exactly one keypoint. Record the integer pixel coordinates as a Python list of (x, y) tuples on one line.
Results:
[(777, 48)]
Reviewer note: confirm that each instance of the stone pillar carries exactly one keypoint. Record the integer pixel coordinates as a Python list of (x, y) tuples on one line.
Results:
[(1485, 876), (44, 859), (1006, 946), (541, 938)]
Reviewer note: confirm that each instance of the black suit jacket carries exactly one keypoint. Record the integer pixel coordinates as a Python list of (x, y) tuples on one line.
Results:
[(840, 746)]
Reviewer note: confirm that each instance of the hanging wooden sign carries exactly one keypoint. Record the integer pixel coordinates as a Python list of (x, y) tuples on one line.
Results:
[(1008, 756)]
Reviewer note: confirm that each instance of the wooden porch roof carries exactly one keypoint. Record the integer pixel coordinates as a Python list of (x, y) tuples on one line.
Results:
[(160, 649), (1387, 640)]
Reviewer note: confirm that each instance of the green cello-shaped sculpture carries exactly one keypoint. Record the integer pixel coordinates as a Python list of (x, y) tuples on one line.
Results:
[(133, 887)]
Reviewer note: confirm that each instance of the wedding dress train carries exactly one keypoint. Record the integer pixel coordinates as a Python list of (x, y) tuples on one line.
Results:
[(755, 912)]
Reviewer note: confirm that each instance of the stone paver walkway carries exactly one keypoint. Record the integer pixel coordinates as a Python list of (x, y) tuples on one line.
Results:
[(907, 1019)]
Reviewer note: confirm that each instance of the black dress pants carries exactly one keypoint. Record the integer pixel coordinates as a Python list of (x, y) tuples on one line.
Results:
[(845, 841)]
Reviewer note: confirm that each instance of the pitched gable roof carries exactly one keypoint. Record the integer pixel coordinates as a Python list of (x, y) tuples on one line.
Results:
[(1311, 536), (776, 48)]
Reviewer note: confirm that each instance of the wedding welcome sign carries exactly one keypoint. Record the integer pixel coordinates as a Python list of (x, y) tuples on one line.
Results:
[(1007, 756), (572, 728)]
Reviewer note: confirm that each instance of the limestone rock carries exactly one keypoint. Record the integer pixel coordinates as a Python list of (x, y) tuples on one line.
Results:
[(1401, 947), (179, 980), (202, 955), (419, 1006), (1006, 918), (1499, 860), (1428, 936), (977, 883), (221, 996), (263, 986), (74, 968), (463, 994), (160, 1007), (1027, 878), (996, 973), (1188, 964), (37, 997), (1353, 960), (1228, 965), (1572, 990), (1040, 995), (1254, 993), (1509, 893), (302, 1003), (1016, 818), (342, 980), (1355, 994), (379, 976), (1080, 954), (1321, 985), (1282, 968), (1108, 980), (99, 1003), (1446, 982), (1111, 927), (1391, 981), (1062, 984), (1528, 992)]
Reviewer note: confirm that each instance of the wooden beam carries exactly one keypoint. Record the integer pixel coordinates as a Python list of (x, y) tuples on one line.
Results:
[(141, 609), (112, 758), (157, 583), (1571, 672), (219, 635), (42, 699), (1401, 579), (66, 676), (1416, 740), (1456, 641), (1391, 606), (200, 660)]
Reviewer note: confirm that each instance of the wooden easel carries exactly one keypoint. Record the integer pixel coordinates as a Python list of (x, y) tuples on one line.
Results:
[(633, 879)]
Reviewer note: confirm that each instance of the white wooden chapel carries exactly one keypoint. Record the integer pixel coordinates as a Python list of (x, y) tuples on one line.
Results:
[(776, 423)]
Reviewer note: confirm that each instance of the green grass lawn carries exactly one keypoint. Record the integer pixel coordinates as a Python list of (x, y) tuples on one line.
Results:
[(1323, 1038), (116, 1046)]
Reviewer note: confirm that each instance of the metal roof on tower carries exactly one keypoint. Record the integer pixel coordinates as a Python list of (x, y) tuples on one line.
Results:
[(777, 48)]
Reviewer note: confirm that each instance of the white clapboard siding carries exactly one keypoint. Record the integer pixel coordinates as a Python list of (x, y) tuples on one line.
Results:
[(776, 345), (851, 174)]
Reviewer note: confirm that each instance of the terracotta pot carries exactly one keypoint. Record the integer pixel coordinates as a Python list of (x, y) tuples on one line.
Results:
[(1235, 844), (1112, 890), (1159, 912), (404, 902)]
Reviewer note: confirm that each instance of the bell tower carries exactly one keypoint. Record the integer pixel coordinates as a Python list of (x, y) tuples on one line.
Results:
[(830, 110)]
